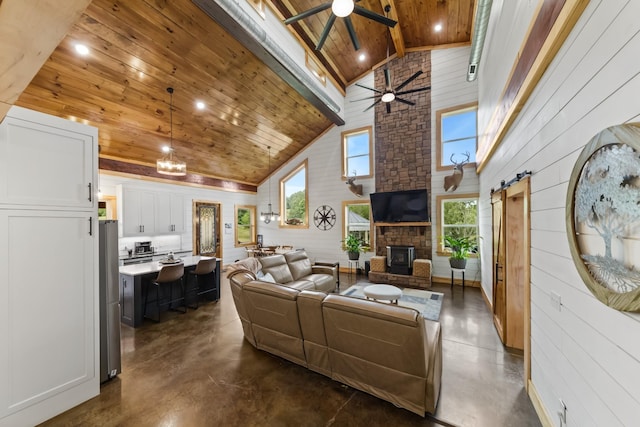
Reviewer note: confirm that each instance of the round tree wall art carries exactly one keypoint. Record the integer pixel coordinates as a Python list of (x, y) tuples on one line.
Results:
[(603, 216)]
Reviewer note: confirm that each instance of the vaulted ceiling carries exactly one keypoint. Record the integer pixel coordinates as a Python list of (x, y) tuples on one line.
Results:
[(139, 48)]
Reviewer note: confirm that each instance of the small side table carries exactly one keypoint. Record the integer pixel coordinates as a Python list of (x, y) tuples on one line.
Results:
[(354, 263), (457, 270)]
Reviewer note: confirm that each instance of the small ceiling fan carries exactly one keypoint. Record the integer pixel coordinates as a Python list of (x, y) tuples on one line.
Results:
[(390, 94), (341, 9)]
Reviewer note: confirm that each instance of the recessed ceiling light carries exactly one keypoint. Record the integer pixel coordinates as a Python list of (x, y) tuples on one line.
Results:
[(166, 149), (438, 27), (82, 49), (362, 57), (200, 105)]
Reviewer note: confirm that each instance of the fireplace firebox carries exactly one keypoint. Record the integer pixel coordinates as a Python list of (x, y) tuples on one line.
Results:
[(400, 259)]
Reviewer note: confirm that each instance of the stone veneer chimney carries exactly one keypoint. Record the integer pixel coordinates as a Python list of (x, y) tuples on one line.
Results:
[(403, 148)]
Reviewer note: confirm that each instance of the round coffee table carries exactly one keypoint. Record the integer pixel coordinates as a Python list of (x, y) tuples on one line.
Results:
[(383, 292)]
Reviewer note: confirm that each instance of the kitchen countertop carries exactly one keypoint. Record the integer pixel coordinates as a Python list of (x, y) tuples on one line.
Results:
[(155, 266), (134, 256)]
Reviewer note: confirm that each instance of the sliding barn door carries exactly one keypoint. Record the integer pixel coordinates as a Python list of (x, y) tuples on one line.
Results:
[(499, 286)]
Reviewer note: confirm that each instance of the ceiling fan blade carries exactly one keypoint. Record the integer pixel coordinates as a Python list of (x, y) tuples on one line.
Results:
[(325, 32), (409, 80), (359, 10), (404, 101), (352, 32), (371, 106), (368, 97), (370, 88), (308, 13), (387, 79), (404, 92), (388, 107)]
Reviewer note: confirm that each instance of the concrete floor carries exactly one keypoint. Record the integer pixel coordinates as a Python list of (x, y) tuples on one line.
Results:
[(195, 369)]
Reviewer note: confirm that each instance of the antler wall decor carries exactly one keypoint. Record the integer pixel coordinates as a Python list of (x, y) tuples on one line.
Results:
[(355, 188), (452, 181)]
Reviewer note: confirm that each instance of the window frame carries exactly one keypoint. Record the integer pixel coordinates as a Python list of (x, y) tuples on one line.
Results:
[(343, 138), (252, 225), (283, 211), (440, 249), (439, 147), (345, 205)]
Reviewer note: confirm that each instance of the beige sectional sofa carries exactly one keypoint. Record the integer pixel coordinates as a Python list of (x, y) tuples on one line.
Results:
[(382, 349), (295, 270)]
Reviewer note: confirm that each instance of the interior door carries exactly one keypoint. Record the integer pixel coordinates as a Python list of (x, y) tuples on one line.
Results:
[(206, 226)]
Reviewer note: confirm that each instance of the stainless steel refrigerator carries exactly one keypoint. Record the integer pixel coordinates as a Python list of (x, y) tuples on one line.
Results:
[(109, 301)]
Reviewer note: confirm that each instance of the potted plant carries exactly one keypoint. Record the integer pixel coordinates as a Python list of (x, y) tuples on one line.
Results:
[(353, 246), (460, 250)]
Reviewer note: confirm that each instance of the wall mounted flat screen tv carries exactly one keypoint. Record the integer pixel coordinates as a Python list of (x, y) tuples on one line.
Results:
[(400, 206)]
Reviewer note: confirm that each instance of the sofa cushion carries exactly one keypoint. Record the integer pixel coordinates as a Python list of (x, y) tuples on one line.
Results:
[(276, 265), (322, 282), (299, 264), (302, 285)]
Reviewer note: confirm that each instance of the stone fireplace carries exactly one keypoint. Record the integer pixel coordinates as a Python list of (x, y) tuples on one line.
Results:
[(403, 150)]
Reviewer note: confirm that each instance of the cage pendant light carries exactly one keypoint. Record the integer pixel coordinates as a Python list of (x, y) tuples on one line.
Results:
[(169, 164), (270, 215)]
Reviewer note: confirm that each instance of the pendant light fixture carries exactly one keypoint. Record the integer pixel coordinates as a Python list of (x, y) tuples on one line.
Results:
[(169, 164), (270, 215)]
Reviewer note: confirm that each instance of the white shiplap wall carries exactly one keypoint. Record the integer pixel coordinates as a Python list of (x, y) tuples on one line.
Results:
[(326, 186), (585, 353), (449, 88), (227, 199)]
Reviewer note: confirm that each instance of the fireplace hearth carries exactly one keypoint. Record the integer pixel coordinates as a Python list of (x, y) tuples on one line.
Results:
[(400, 259)]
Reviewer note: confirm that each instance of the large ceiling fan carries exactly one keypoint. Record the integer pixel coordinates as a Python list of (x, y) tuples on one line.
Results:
[(390, 94), (341, 9)]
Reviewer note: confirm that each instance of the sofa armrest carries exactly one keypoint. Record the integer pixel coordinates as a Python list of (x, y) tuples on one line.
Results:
[(334, 269)]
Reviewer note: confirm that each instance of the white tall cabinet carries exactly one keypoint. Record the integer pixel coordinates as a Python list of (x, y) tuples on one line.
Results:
[(49, 331)]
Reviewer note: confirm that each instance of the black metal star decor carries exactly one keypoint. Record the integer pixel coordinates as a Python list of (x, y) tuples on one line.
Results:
[(324, 217)]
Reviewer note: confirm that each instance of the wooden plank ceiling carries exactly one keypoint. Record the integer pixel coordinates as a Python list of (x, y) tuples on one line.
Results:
[(139, 48)]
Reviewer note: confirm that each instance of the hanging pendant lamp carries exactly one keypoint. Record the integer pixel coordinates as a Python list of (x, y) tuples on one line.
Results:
[(169, 164), (270, 215)]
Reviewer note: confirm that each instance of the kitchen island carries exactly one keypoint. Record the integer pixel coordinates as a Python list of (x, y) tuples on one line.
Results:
[(135, 277)]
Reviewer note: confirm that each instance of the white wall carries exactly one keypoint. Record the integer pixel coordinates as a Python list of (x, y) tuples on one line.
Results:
[(227, 199), (326, 186), (449, 88), (586, 353)]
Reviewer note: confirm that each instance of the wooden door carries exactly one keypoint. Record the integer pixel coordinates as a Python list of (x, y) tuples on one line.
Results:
[(499, 285)]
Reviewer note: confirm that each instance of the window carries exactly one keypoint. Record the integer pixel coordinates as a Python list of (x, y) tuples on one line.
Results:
[(457, 217), (356, 217), (294, 199), (356, 153), (258, 5), (456, 133), (316, 69), (245, 225)]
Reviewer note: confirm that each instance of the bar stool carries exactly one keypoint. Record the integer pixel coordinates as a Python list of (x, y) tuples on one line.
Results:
[(168, 275), (203, 268)]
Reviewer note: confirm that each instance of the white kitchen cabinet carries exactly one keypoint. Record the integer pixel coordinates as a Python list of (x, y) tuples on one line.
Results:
[(169, 212), (137, 211), (49, 332), (46, 162)]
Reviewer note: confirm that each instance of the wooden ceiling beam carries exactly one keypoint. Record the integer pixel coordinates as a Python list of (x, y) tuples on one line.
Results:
[(25, 48), (396, 32)]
